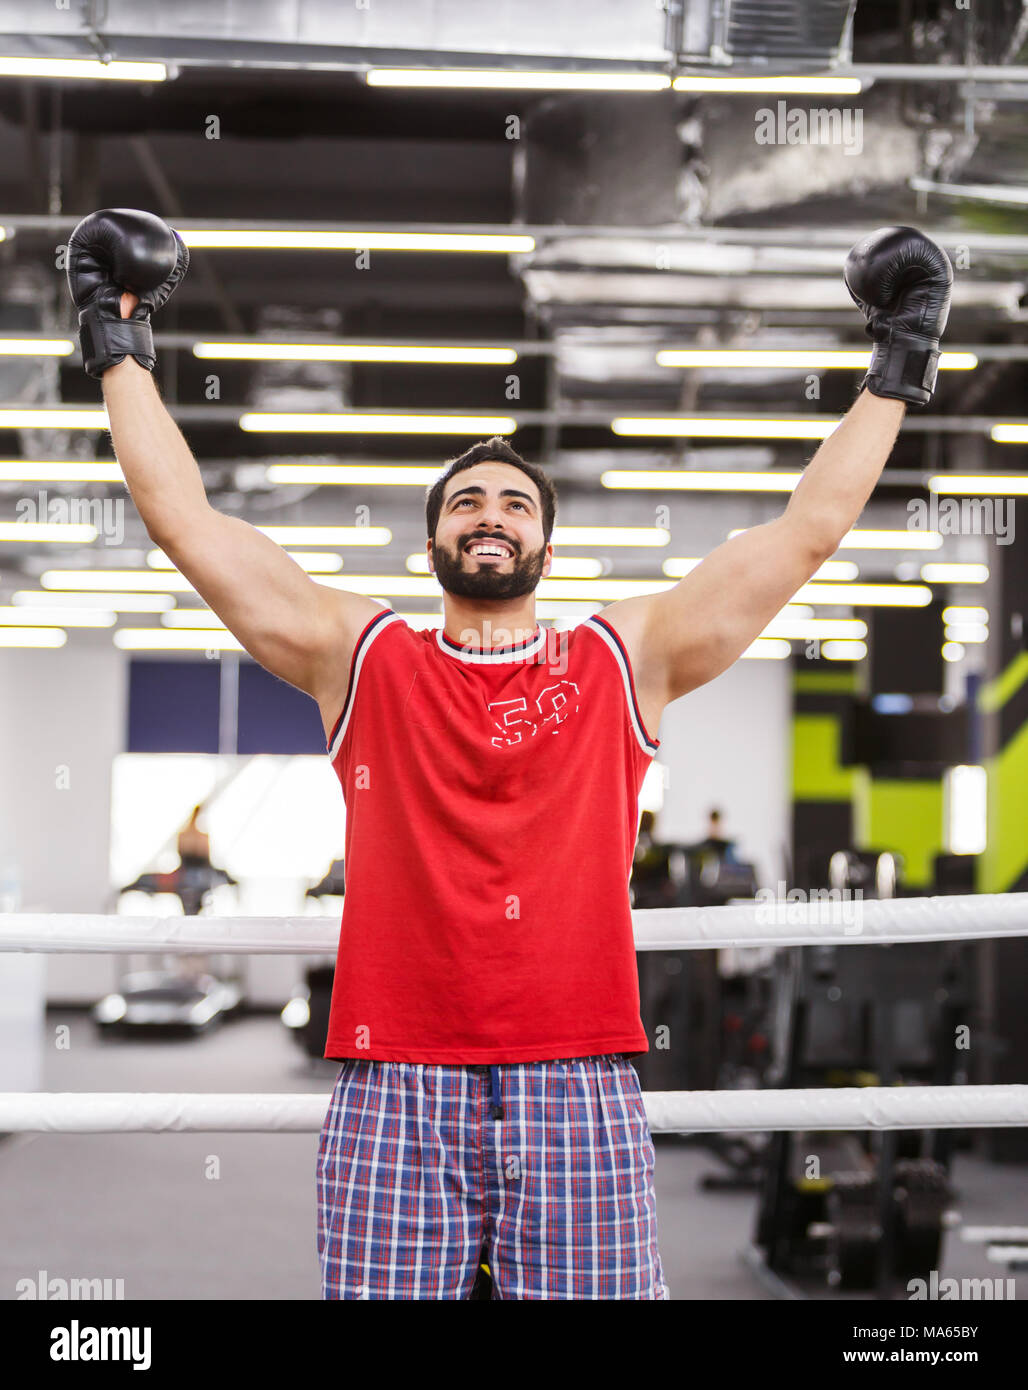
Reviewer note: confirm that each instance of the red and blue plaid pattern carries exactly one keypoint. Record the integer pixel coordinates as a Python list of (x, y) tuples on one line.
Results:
[(418, 1182)]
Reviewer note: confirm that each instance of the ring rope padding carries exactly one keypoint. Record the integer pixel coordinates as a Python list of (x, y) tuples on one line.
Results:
[(668, 1112), (763, 922)]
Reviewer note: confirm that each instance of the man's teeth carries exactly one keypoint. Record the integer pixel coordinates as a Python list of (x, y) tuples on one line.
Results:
[(489, 550)]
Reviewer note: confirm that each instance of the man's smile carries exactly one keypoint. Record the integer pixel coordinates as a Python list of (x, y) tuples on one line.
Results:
[(490, 550)]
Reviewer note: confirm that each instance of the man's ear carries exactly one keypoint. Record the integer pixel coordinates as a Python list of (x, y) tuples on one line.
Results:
[(431, 567)]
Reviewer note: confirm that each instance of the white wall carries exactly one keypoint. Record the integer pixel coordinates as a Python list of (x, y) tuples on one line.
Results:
[(61, 722), (729, 744), (62, 717)]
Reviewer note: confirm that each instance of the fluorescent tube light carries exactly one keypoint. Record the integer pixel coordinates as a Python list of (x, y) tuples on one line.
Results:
[(329, 422), (512, 79), (356, 352), (707, 428)]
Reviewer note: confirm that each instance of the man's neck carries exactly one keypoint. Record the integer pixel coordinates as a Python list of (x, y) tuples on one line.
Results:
[(473, 628)]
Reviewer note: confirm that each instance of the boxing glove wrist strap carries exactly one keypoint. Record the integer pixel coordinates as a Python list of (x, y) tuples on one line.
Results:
[(904, 368), (106, 341)]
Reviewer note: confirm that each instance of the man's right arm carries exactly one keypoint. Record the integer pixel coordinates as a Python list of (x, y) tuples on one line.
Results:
[(299, 630)]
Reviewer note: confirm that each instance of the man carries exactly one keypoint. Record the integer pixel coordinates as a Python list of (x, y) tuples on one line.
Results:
[(194, 845), (653, 883), (486, 997), (714, 828)]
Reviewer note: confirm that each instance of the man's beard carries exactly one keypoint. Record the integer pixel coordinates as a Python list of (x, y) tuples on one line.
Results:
[(487, 581)]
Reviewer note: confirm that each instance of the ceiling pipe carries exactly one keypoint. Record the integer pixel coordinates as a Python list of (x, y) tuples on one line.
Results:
[(803, 236)]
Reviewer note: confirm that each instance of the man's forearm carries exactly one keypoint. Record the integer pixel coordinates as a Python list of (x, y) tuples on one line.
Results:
[(841, 476), (159, 467)]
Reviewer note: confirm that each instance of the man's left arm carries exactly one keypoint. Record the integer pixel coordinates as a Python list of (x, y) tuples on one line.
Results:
[(684, 637), (700, 627)]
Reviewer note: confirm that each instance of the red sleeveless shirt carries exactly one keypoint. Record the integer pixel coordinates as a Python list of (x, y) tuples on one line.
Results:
[(492, 813)]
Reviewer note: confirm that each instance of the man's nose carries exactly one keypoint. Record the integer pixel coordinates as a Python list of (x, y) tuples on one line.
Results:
[(491, 518)]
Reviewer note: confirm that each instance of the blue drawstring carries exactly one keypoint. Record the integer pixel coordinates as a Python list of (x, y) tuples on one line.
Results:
[(494, 1079)]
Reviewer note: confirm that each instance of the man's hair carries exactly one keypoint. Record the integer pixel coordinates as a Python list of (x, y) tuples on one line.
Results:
[(495, 450)]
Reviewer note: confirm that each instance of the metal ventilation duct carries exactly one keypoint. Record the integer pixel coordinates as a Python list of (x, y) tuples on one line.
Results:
[(507, 32), (601, 159), (782, 31), (242, 31), (664, 159)]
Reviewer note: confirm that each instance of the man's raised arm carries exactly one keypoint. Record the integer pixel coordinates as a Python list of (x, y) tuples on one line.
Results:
[(122, 264), (692, 632)]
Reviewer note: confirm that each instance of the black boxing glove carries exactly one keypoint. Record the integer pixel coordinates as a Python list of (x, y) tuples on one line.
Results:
[(901, 282), (109, 253)]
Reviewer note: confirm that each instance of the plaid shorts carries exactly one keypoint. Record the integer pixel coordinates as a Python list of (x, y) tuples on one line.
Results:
[(542, 1169)]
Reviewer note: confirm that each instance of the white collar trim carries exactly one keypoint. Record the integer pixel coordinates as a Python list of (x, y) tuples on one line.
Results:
[(494, 656)]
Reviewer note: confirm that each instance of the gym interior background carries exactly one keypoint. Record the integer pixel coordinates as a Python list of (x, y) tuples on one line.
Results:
[(653, 223)]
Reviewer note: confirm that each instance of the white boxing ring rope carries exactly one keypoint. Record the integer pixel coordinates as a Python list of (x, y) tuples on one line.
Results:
[(669, 1112), (848, 922), (761, 923)]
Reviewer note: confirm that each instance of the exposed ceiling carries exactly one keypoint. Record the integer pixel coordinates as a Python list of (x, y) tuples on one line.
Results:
[(659, 221)]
